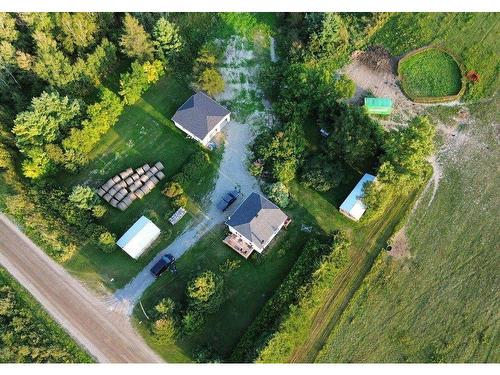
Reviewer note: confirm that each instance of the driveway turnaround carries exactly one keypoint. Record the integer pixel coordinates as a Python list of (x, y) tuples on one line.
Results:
[(107, 335)]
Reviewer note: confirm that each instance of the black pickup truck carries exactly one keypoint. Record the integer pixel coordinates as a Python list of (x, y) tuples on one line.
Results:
[(228, 199), (166, 262)]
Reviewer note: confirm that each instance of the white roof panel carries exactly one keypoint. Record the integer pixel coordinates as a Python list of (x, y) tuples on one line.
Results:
[(353, 205), (139, 237)]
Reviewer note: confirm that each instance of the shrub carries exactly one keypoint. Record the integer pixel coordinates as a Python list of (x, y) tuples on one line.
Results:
[(99, 210), (107, 241), (278, 193), (180, 201), (205, 292), (83, 197), (192, 321), (210, 81), (173, 189), (322, 174), (164, 330)]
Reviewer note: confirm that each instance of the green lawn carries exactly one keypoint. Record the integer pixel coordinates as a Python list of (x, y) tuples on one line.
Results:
[(29, 334), (440, 305), (144, 134), (471, 37), (430, 73), (247, 288)]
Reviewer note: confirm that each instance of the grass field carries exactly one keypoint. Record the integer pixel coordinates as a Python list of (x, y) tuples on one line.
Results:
[(144, 134), (35, 328), (430, 73), (471, 37), (442, 303)]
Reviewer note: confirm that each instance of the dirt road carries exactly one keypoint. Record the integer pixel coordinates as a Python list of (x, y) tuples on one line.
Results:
[(106, 335)]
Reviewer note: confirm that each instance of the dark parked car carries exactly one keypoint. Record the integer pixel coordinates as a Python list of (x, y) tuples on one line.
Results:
[(166, 262), (227, 200)]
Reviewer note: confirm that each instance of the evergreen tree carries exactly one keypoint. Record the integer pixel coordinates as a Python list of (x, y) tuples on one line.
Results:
[(135, 42), (166, 39)]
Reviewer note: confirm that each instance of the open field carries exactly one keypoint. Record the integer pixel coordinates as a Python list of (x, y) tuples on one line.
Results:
[(35, 336), (430, 73), (143, 134), (471, 37), (440, 304)]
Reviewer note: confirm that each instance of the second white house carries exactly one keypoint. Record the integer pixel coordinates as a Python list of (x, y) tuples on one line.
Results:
[(201, 117)]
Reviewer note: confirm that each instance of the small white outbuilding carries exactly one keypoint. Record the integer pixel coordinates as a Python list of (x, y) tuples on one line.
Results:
[(139, 237), (353, 206)]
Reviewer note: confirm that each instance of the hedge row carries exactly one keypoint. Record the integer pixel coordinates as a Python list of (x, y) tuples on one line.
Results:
[(295, 327), (294, 288)]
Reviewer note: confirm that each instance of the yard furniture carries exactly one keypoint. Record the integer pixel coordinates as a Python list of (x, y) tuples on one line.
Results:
[(178, 215)]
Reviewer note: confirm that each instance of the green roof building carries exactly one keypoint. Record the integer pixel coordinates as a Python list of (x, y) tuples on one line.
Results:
[(378, 106)]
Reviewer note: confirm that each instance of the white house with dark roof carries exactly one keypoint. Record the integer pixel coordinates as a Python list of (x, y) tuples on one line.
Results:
[(201, 117), (353, 206), (254, 224)]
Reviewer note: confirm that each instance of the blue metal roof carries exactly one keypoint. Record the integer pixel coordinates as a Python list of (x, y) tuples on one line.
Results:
[(353, 205)]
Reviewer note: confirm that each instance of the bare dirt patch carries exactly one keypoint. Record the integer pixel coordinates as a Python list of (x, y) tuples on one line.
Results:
[(400, 246)]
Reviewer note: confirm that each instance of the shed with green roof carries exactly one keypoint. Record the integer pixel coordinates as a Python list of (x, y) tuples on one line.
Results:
[(378, 106)]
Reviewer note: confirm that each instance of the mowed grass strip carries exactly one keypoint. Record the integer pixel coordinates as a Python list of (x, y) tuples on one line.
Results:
[(430, 73), (143, 134)]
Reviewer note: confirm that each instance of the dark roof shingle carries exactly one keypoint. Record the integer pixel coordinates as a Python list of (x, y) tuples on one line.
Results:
[(200, 114), (257, 219)]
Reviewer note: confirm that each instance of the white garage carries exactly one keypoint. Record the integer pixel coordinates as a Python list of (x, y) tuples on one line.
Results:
[(139, 237)]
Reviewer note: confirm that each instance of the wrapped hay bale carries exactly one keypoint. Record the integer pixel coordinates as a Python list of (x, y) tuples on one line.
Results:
[(139, 193), (154, 180), (101, 192), (160, 175), (113, 191), (116, 179), (129, 181), (144, 178), (159, 165), (131, 196), (135, 176), (113, 202), (139, 171), (122, 206), (127, 201), (107, 197), (154, 170)]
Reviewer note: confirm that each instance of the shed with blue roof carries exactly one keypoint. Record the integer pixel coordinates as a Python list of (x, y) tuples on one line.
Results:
[(353, 206)]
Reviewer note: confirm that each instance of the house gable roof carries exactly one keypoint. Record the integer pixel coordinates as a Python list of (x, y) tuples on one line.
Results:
[(200, 114), (257, 219)]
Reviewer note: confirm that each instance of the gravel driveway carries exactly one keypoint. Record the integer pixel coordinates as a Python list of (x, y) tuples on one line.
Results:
[(232, 172)]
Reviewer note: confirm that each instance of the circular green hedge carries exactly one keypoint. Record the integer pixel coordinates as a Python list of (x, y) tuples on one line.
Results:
[(430, 73)]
